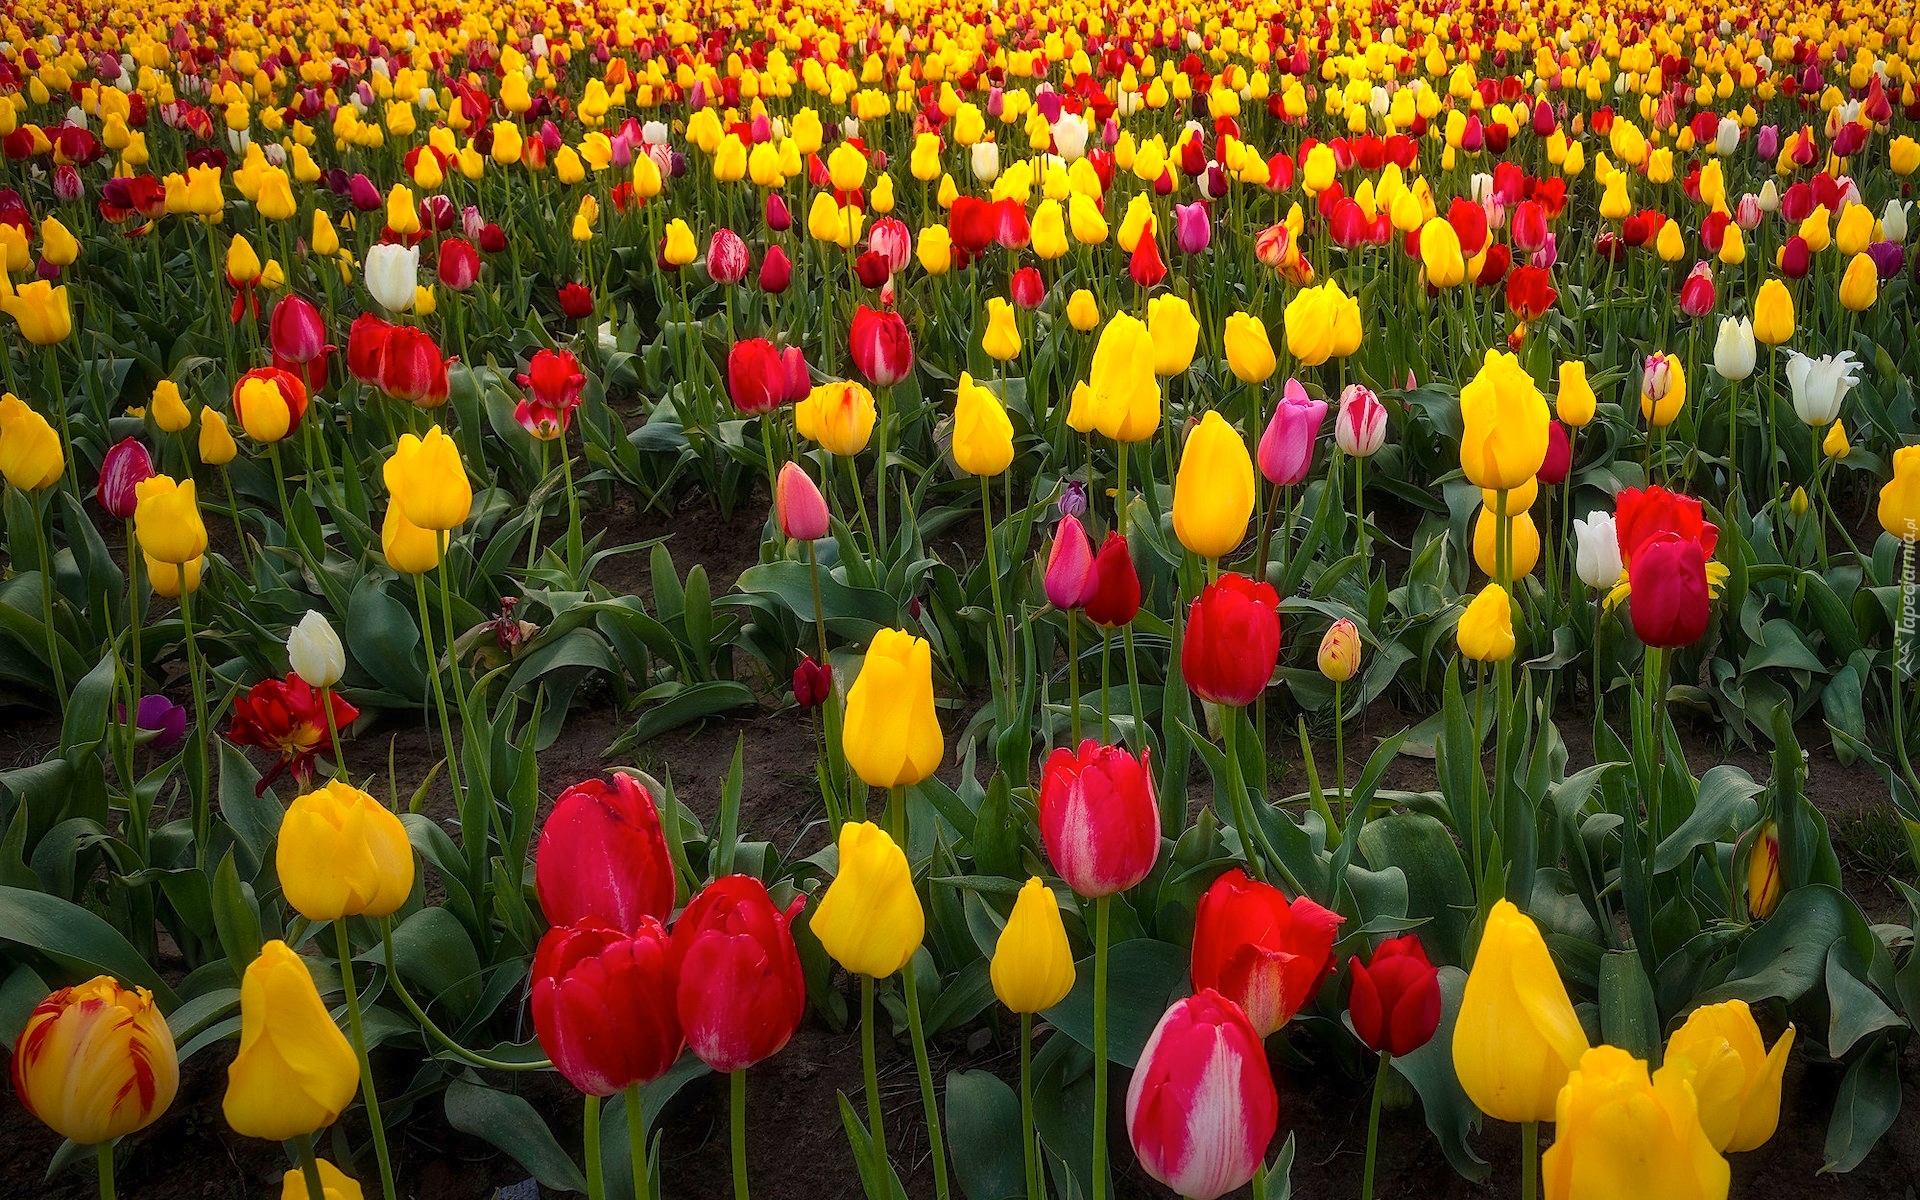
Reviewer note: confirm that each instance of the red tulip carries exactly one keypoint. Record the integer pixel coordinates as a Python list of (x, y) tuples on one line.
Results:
[(972, 223), (881, 346), (1553, 469), (459, 264), (1098, 818), (1116, 586), (741, 993), (1395, 999), (1469, 222), (367, 348), (871, 269), (1026, 288), (1530, 292), (777, 216), (1670, 604), (1796, 258), (1146, 266), (776, 271), (286, 717), (1011, 228), (1696, 293), (576, 301), (1202, 1107), (603, 1004), (1529, 226), (493, 239), (602, 855), (1232, 640), (759, 378), (124, 468), (554, 380), (1266, 955), (1640, 516), (812, 683), (296, 330), (411, 367)]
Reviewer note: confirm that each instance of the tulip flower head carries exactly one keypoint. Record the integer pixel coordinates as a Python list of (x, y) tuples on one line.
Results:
[(1232, 640), (428, 481), (1360, 428), (1735, 1078), (1213, 492), (30, 455), (95, 1061), (1286, 448), (1517, 1037), (892, 733), (881, 347), (1504, 419), (839, 416), (295, 1072), (1339, 657), (1069, 579), (1201, 1106), (799, 508), (1032, 967), (1115, 596), (123, 469), (870, 920), (603, 856), (1123, 392), (554, 382), (1395, 999), (314, 650), (1663, 389), (342, 854), (982, 431), (605, 1004), (1899, 504), (1265, 953), (1620, 1131), (1820, 385), (740, 992), (1098, 817)]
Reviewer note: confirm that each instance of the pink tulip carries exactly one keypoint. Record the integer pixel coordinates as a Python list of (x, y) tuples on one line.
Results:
[(727, 257), (1286, 448), (296, 329), (1361, 427), (778, 218), (798, 506), (1202, 1106), (1192, 230), (125, 467), (1069, 578)]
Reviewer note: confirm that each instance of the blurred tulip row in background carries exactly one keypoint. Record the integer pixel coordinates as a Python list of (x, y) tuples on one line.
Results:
[(1170, 423)]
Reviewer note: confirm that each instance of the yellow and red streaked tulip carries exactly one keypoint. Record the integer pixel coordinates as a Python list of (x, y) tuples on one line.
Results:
[(1201, 1106), (1339, 657), (1763, 873), (96, 1061)]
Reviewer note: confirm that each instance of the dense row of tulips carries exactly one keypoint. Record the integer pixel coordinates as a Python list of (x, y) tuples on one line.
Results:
[(1553, 361)]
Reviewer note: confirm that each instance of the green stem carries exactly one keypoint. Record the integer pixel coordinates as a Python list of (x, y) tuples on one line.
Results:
[(738, 1086), (367, 1091), (333, 731), (1529, 1159), (1026, 1107), (574, 543), (1340, 748), (1073, 675), (1003, 689), (637, 1140), (1133, 690), (196, 673), (1373, 1125), (475, 848), (929, 1099), (47, 591), (103, 1154), (596, 1173), (533, 533), (1106, 683), (434, 1031), (1242, 805), (870, 1075), (819, 611), (1100, 907), (309, 1167)]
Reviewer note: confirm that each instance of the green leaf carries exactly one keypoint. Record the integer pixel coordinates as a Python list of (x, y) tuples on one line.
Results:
[(1723, 807), (1628, 1016), (1868, 1102), (1144, 976), (77, 940), (255, 820), (1450, 1115), (1437, 884), (1856, 1009), (684, 705), (515, 1126), (1789, 953), (983, 1134), (236, 916), (435, 956)]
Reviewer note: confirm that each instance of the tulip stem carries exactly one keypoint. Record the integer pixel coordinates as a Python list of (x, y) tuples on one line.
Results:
[(860, 501), (738, 1086), (1373, 1125), (434, 1031), (1106, 684), (1100, 907), (1026, 1107), (1073, 674), (533, 533), (47, 591), (1120, 500), (475, 850), (333, 732), (596, 1172), (309, 1167), (103, 1154), (1340, 749), (870, 1076), (1003, 691), (1133, 690), (637, 1140), (367, 1091), (929, 1099), (574, 545), (1242, 806), (1529, 1159), (196, 778)]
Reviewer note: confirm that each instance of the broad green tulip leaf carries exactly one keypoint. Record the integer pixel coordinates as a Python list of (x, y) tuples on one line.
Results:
[(1143, 977), (436, 958), (1787, 955), (1865, 1108), (88, 705), (1437, 885), (381, 634), (510, 1123), (1451, 1117), (1722, 808), (1856, 1009), (1628, 1017), (254, 819), (983, 1135), (236, 915), (76, 940), (20, 993), (877, 1176), (683, 705)]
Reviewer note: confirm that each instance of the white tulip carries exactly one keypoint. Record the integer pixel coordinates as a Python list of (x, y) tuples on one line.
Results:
[(1769, 197), (1893, 220), (393, 273), (314, 651), (986, 161), (1726, 139), (1596, 551), (1733, 351), (1820, 384), (654, 133), (1070, 136)]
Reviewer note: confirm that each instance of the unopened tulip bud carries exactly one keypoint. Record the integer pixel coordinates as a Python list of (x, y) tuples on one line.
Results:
[(798, 505), (1340, 651), (314, 651)]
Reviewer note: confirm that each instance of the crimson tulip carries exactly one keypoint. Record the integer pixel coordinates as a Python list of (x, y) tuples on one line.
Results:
[(554, 381), (1670, 603), (812, 683), (761, 377), (493, 239), (1026, 288), (1395, 999), (123, 469), (1232, 640), (603, 855), (412, 368), (972, 223), (604, 1004), (1265, 954), (882, 348), (1553, 469), (459, 264), (296, 330), (367, 348), (1202, 1107), (740, 993), (1098, 817), (576, 301), (1116, 585), (1641, 515), (287, 717), (1697, 292)]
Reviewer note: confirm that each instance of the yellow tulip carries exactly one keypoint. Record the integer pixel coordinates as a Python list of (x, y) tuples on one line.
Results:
[(57, 245), (1835, 444), (1322, 322), (96, 1061), (847, 168), (169, 580), (1860, 286), (41, 311), (1504, 420), (935, 251), (1523, 546), (680, 247), (1735, 1078), (1900, 496), (870, 920), (323, 241), (1083, 311), (1123, 393), (1249, 352), (428, 481), (1440, 254), (30, 455), (1671, 244), (1903, 155), (166, 520), (1002, 338), (1032, 967), (838, 415), (1516, 1038), (1622, 1135), (892, 734), (333, 1184), (342, 854), (1772, 313), (1854, 230), (982, 431), (1049, 231), (1574, 401), (408, 549), (1213, 492), (217, 447), (295, 1072), (1175, 333), (262, 409)]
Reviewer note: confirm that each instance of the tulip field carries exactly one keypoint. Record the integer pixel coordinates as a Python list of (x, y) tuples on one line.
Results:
[(959, 600)]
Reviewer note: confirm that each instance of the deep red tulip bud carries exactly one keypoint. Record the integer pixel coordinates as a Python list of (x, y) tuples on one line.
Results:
[(1116, 585), (740, 991), (493, 239), (1796, 259), (776, 271), (125, 467), (1232, 640), (1255, 948), (872, 269), (459, 264), (605, 1004), (1553, 469), (1146, 266), (812, 683), (1395, 999), (296, 330), (576, 301), (1697, 293), (882, 348), (1098, 817), (602, 855), (778, 218)]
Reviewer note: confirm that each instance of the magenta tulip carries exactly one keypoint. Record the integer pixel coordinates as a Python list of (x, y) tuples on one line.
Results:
[(1286, 448), (1202, 1106)]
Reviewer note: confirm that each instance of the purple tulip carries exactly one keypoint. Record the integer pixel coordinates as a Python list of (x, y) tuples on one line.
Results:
[(1888, 258), (1073, 498), (1286, 448), (159, 722)]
